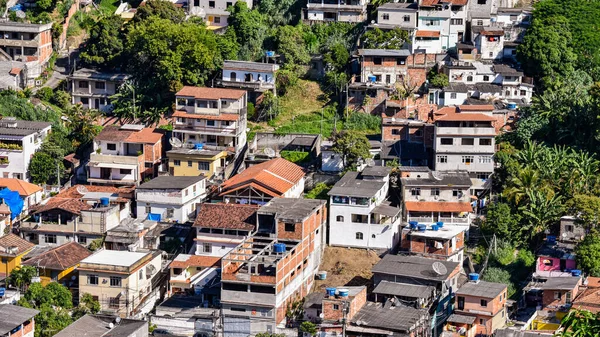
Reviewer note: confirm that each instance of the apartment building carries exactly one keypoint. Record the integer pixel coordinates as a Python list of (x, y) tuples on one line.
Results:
[(194, 162), (92, 88), (125, 155), (211, 116), (407, 140), (401, 15), (125, 283), (222, 227), (263, 275), (195, 274), (435, 242), (168, 198), (482, 305), (466, 141), (328, 307), (252, 76), (276, 178), (214, 12), (336, 11), (25, 49), (383, 66), (553, 298), (360, 214), (489, 41), (19, 141), (17, 321), (441, 25), (75, 217), (405, 274), (436, 196)]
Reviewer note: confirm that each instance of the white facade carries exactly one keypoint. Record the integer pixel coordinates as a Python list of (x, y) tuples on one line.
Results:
[(92, 89), (353, 219), (173, 204), (19, 141), (331, 161), (453, 98), (447, 19), (214, 12), (254, 76), (336, 10)]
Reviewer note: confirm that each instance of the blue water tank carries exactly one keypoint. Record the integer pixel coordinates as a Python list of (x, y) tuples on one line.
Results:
[(440, 224), (422, 227), (104, 201), (473, 277), (270, 53), (576, 272), (551, 238), (330, 291), (435, 228), (279, 248), (372, 78), (413, 224), (511, 106), (343, 292), (198, 146)]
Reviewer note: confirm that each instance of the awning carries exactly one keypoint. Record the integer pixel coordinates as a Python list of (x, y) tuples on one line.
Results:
[(386, 210), (427, 33), (112, 165), (435, 206), (462, 319)]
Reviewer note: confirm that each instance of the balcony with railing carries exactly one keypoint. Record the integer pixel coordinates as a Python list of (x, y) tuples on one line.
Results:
[(346, 5)]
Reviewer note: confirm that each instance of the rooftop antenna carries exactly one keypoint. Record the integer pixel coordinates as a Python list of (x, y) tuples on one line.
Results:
[(81, 189), (175, 142), (439, 268), (269, 152)]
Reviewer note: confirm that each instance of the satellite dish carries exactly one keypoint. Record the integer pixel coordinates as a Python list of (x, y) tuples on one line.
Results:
[(439, 268), (81, 189), (435, 176), (564, 235), (370, 162), (269, 152), (240, 169), (118, 320), (175, 142)]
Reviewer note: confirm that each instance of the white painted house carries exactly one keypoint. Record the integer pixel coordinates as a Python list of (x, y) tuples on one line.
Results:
[(331, 161), (359, 213), (214, 12), (252, 76), (170, 198), (92, 88), (19, 140)]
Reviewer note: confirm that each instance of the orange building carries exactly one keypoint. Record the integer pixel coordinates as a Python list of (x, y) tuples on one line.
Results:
[(272, 271), (484, 301)]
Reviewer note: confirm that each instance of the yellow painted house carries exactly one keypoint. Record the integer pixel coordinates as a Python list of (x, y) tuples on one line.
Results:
[(60, 263), (12, 250), (192, 162)]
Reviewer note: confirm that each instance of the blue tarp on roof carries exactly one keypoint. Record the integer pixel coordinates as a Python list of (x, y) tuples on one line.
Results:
[(13, 200), (153, 216)]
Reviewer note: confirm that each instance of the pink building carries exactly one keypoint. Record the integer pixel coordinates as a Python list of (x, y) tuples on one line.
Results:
[(555, 259)]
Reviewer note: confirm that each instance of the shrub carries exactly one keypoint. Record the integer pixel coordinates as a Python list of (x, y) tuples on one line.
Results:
[(318, 192), (499, 276), (45, 94), (295, 156)]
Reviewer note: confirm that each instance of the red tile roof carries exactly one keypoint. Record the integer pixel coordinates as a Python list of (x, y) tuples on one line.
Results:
[(219, 117), (427, 33), (277, 175), (11, 240), (74, 206), (226, 216), (72, 192), (484, 107), (15, 71), (24, 188), (435, 206), (492, 32), (114, 133), (60, 258), (210, 93), (197, 261)]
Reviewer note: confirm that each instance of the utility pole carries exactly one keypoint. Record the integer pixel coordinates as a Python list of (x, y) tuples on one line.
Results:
[(321, 121), (133, 93), (344, 321), (57, 175)]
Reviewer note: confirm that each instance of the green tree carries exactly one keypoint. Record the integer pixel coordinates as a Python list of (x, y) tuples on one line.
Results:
[(352, 146), (308, 328), (105, 45), (87, 305), (319, 192), (21, 277), (498, 275), (337, 57), (580, 323), (45, 5), (587, 208), (43, 166), (546, 52), (250, 29), (164, 55), (228, 45), (588, 254), (82, 123), (500, 220), (291, 45), (437, 79), (159, 8)]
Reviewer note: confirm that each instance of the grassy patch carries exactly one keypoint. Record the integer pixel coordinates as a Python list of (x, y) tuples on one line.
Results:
[(346, 266), (319, 192), (297, 157), (109, 5)]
